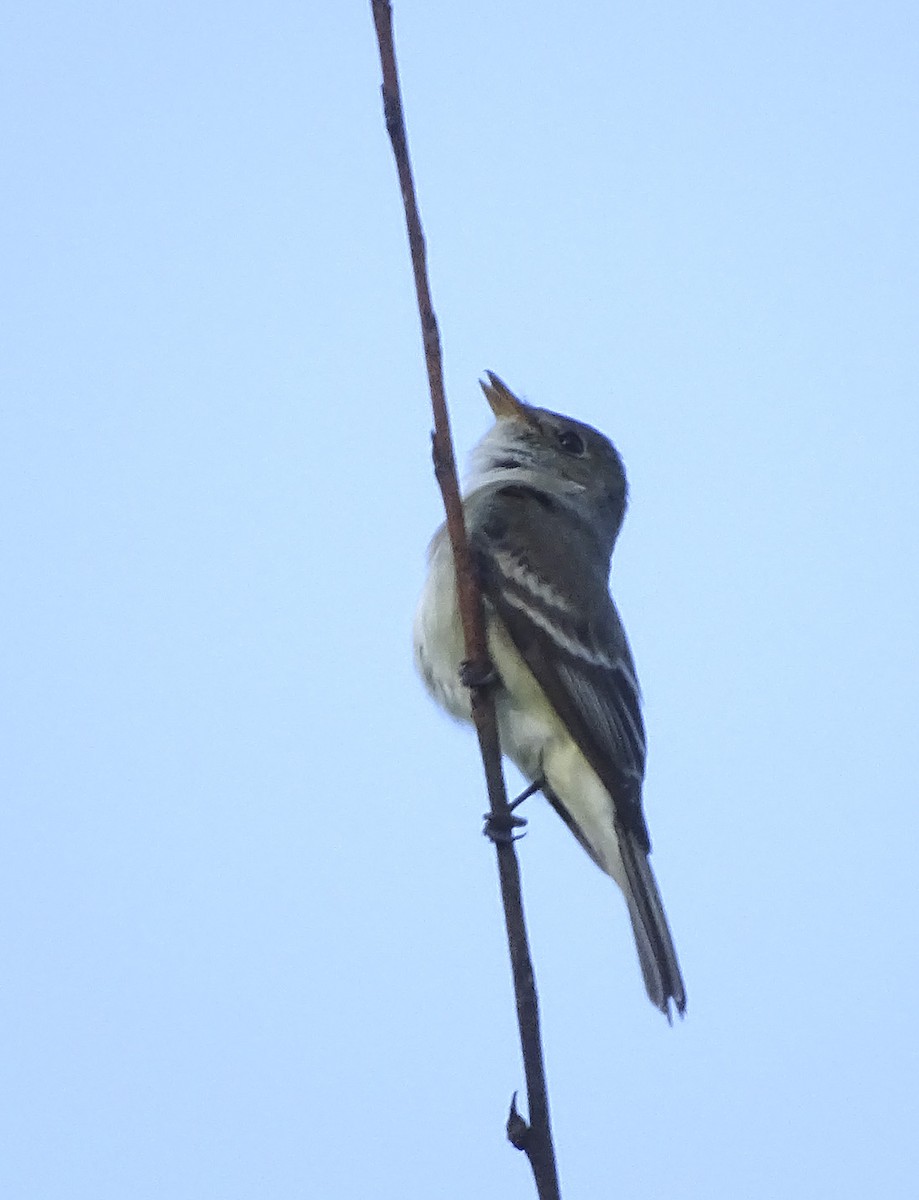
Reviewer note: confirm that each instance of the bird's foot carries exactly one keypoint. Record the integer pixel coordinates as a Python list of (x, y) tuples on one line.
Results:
[(500, 827), (477, 674)]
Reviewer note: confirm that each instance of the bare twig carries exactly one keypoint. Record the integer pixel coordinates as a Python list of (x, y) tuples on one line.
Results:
[(536, 1138)]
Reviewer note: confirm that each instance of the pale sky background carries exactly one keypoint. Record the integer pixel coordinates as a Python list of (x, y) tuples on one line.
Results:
[(251, 940)]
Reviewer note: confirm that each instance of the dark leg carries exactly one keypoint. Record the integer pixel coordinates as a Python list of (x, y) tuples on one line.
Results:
[(536, 786)]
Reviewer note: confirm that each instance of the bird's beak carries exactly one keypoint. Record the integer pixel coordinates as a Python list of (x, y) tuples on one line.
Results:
[(502, 401)]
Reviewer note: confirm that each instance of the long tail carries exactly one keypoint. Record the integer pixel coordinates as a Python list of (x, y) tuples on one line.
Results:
[(656, 952)]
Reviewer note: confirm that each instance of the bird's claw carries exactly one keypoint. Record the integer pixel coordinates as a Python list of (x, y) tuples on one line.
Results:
[(499, 827), (477, 674)]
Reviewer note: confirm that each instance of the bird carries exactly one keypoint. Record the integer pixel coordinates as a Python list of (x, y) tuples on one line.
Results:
[(544, 503)]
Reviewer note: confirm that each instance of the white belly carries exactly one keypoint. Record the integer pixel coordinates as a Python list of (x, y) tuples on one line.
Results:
[(438, 634), (531, 734)]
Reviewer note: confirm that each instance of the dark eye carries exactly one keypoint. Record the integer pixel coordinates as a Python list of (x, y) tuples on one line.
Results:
[(570, 442)]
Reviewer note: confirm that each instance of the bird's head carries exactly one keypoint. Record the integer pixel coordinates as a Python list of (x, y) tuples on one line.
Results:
[(556, 455)]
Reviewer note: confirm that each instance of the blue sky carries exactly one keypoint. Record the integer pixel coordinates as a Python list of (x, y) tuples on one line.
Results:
[(250, 931)]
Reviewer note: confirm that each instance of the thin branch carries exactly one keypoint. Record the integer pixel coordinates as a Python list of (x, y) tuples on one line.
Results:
[(536, 1138)]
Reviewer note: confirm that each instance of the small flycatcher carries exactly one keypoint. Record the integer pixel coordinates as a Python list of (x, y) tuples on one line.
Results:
[(544, 505)]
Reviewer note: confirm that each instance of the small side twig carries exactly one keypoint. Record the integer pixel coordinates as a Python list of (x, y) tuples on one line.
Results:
[(534, 1139)]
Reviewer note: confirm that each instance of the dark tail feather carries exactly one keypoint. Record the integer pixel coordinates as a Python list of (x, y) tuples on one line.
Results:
[(658, 959), (656, 953)]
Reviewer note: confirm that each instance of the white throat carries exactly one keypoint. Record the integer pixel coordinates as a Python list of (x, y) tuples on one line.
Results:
[(502, 458)]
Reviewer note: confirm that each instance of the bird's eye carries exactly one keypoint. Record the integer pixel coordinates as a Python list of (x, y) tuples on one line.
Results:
[(570, 442)]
